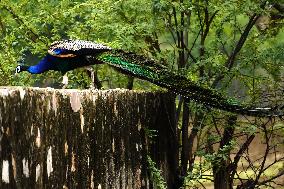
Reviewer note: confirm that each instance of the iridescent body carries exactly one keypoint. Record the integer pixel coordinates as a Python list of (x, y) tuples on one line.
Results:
[(70, 54)]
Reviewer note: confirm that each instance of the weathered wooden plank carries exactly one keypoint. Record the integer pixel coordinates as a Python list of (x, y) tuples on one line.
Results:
[(80, 139)]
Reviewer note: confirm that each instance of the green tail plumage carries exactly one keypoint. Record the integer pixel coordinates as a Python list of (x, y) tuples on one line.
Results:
[(146, 69)]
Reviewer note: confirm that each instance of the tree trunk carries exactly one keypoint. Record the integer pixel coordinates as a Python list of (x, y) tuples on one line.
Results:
[(185, 142), (221, 170)]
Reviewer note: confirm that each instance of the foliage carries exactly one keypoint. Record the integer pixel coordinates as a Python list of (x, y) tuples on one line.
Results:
[(155, 175), (235, 46)]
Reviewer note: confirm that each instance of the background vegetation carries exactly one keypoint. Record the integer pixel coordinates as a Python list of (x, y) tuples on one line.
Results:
[(234, 46)]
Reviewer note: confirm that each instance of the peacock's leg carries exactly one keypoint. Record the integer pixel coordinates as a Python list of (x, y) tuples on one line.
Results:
[(65, 81), (91, 73)]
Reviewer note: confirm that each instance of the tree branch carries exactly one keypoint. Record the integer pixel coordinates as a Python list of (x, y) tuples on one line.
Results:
[(170, 26), (176, 25), (234, 164), (231, 60), (21, 22), (265, 154), (2, 26), (271, 178)]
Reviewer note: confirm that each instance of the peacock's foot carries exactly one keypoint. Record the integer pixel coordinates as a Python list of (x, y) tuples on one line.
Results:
[(65, 81)]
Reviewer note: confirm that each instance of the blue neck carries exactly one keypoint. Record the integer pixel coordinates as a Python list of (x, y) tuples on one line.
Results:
[(44, 65)]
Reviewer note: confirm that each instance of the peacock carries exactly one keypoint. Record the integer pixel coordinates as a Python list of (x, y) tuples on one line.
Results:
[(67, 55)]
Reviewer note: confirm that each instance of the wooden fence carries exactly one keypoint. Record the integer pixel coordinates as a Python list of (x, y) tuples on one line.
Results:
[(83, 139)]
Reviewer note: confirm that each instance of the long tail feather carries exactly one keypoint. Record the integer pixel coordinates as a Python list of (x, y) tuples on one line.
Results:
[(147, 69)]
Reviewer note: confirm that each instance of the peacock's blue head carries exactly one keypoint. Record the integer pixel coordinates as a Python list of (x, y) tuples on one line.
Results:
[(47, 63)]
